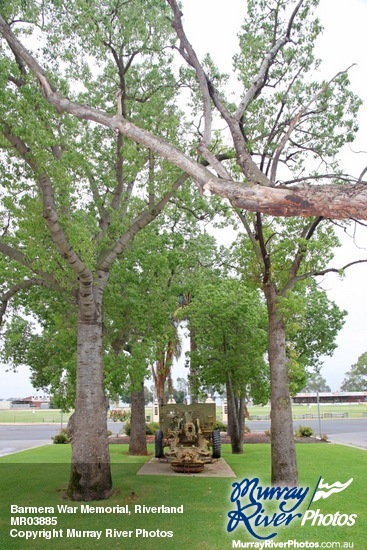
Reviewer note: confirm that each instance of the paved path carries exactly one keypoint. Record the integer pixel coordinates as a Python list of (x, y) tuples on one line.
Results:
[(351, 439)]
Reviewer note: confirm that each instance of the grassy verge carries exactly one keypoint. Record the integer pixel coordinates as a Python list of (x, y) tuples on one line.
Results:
[(47, 416), (38, 478), (54, 416), (353, 410)]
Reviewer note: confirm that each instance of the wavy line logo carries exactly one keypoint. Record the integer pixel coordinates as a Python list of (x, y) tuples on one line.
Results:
[(323, 490)]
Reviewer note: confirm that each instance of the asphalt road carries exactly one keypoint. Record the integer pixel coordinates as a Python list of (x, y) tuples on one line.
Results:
[(328, 426), (348, 431), (18, 437)]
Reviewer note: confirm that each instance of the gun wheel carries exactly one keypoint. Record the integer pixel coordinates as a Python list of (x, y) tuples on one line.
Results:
[(158, 440), (216, 444)]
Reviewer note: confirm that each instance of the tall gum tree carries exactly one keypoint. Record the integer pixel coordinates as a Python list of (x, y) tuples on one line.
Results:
[(286, 130), (283, 257), (76, 195)]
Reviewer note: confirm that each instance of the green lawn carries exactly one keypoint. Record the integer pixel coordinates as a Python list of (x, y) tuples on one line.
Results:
[(354, 411), (54, 416), (26, 416), (38, 478)]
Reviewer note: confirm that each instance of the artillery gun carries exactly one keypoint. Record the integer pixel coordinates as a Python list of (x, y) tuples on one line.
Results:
[(190, 435)]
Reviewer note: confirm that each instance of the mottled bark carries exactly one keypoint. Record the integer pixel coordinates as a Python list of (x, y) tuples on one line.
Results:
[(138, 439), (283, 452), (90, 477)]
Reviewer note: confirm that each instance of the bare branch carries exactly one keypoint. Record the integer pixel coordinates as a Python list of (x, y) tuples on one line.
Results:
[(213, 161), (329, 270), (293, 123), (191, 58), (252, 236), (360, 179)]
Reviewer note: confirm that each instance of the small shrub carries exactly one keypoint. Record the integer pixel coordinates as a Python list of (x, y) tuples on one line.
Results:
[(150, 429), (109, 433), (220, 426), (247, 429), (324, 437), (62, 437), (267, 432), (304, 431)]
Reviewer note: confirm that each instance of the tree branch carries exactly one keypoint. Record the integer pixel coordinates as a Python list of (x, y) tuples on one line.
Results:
[(293, 123), (191, 58), (328, 270), (58, 236), (19, 257), (260, 79), (334, 201), (306, 235), (142, 220)]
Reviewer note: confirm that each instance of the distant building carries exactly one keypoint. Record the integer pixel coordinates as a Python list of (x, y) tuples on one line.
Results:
[(331, 397), (31, 402)]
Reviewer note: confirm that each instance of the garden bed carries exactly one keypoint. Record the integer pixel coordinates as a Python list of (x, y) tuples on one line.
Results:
[(249, 438)]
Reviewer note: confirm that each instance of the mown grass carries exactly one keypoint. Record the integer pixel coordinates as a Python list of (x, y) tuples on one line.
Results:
[(353, 410), (37, 416), (39, 477), (54, 416)]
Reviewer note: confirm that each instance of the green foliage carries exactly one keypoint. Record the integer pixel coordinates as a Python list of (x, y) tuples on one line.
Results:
[(316, 382), (99, 182), (150, 429), (229, 323), (328, 109), (312, 323), (61, 438), (311, 320), (220, 426), (119, 58), (356, 378), (304, 431)]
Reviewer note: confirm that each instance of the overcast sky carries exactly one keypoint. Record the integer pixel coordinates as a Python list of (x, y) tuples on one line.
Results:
[(211, 25)]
